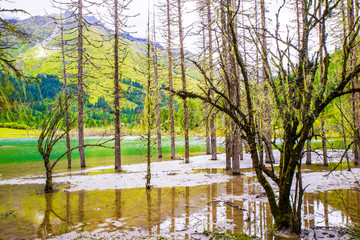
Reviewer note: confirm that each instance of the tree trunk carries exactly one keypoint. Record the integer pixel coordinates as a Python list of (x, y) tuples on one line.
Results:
[(207, 112), (158, 118), (67, 117), (172, 120), (81, 84), (207, 129), (308, 152), (267, 115), (183, 78), (117, 93), (356, 148), (211, 69), (323, 142), (49, 187), (148, 109)]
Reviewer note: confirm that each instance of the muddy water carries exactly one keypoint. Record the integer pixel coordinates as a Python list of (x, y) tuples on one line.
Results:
[(26, 213)]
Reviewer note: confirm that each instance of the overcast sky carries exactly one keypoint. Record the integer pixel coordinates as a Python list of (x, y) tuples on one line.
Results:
[(41, 7)]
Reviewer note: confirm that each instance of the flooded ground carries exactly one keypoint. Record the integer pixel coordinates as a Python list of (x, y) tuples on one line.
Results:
[(27, 213), (186, 200)]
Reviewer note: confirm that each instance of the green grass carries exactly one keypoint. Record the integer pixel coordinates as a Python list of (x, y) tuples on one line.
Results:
[(20, 157)]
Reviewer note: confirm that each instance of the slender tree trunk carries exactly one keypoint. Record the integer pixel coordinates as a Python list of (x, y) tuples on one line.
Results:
[(234, 95), (148, 109), (183, 78), (81, 84), (267, 115), (323, 135), (172, 119), (211, 69), (117, 92), (158, 118), (207, 113), (225, 52), (67, 117), (207, 130)]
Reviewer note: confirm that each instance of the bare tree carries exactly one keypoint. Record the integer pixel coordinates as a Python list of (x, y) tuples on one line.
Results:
[(81, 84), (183, 78), (299, 99), (211, 73), (156, 76), (170, 61), (66, 92)]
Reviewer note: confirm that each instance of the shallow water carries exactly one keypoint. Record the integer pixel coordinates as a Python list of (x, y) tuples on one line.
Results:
[(26, 213)]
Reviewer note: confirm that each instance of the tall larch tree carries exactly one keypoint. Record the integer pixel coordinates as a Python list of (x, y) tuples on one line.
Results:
[(81, 84), (170, 71), (117, 89), (183, 78), (211, 74), (66, 92), (157, 94)]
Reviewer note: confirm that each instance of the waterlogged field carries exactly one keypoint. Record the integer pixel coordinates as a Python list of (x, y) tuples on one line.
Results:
[(234, 205)]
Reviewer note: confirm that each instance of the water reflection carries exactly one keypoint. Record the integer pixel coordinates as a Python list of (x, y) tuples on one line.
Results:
[(45, 228), (233, 207)]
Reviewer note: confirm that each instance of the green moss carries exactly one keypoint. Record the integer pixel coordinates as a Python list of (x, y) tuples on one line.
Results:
[(354, 232)]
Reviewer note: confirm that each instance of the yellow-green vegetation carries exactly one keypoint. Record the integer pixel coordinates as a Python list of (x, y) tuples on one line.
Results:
[(18, 133), (229, 236), (41, 59), (353, 232)]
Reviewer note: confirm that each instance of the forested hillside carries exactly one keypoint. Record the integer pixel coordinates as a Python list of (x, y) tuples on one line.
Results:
[(39, 58)]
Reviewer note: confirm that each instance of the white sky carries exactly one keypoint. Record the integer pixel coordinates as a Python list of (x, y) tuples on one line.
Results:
[(140, 7), (41, 7)]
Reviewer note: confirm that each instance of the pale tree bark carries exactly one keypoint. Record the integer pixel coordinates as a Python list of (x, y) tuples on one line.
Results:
[(322, 128), (117, 91), (225, 53), (267, 115), (211, 73), (156, 76), (235, 96), (147, 108), (66, 91), (81, 84), (183, 78), (233, 147), (207, 112), (171, 105)]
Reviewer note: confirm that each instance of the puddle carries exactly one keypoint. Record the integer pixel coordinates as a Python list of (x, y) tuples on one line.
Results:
[(233, 206)]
